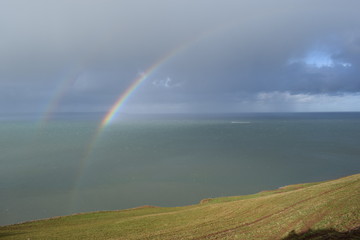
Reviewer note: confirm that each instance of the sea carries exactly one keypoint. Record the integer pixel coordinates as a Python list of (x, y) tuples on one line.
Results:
[(68, 165)]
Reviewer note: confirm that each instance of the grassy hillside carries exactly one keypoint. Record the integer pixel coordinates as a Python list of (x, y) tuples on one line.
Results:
[(303, 211)]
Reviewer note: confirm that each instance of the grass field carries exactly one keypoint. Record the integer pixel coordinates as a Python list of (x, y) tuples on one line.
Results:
[(324, 210)]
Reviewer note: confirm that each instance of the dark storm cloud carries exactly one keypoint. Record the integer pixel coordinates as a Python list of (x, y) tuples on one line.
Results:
[(243, 50)]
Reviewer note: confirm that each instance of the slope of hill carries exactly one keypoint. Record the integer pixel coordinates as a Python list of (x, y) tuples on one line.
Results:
[(324, 210)]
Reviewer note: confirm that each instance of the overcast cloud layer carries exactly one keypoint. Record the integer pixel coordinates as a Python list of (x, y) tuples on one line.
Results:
[(242, 56)]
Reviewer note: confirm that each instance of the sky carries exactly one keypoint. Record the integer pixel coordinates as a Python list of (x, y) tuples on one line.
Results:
[(215, 56)]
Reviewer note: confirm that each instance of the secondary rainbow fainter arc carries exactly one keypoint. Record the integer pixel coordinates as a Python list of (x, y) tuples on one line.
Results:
[(61, 91)]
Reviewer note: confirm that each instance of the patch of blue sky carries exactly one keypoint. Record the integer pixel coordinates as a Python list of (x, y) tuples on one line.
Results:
[(320, 59)]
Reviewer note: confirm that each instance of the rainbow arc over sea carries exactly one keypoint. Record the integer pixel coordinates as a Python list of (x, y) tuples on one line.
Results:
[(61, 91), (111, 114), (125, 95), (115, 108)]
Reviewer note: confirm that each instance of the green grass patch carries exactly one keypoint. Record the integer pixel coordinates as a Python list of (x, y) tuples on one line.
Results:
[(302, 211)]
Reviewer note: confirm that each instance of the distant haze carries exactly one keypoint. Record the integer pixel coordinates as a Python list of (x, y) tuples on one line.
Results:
[(237, 56)]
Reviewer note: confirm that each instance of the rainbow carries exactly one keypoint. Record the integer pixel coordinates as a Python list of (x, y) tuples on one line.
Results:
[(110, 115), (61, 91), (124, 96)]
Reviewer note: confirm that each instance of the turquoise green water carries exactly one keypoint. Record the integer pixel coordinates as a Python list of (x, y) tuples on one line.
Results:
[(175, 161)]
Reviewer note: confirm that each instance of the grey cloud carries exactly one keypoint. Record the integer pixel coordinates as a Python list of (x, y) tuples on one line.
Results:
[(242, 49)]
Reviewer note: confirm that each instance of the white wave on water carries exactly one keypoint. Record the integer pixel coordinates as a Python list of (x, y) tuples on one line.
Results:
[(236, 122)]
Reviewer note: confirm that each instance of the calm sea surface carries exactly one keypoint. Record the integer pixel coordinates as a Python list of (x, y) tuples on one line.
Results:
[(58, 168)]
